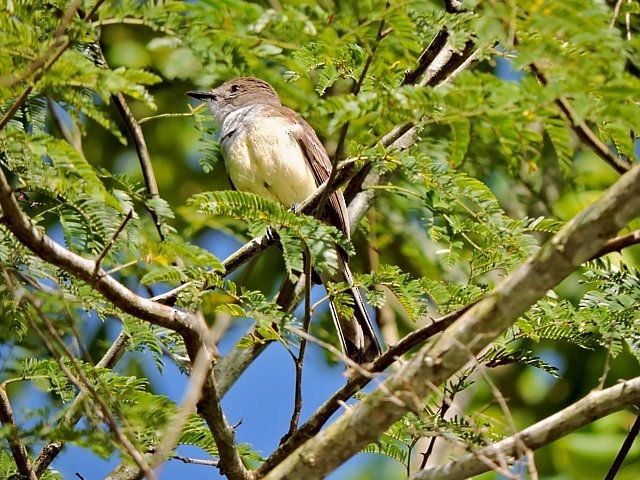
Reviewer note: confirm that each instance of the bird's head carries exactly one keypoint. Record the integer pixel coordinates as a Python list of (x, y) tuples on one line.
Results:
[(237, 93)]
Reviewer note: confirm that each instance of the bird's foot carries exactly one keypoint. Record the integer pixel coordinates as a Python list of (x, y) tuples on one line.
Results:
[(273, 236)]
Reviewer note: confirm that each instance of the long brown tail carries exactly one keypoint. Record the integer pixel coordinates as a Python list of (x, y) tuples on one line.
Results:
[(357, 336)]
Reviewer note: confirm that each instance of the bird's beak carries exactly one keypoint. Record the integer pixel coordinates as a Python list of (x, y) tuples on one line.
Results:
[(200, 95)]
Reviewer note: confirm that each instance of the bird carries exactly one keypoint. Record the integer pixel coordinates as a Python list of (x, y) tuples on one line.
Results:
[(271, 151)]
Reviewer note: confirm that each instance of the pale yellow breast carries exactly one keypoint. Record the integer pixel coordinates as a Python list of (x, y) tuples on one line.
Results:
[(264, 158)]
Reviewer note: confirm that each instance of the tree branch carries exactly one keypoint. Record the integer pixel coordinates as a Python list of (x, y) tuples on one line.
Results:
[(135, 130), (41, 66), (299, 360), (33, 238), (18, 450), (595, 405), (313, 425), (195, 461), (583, 131), (209, 407), (75, 411), (112, 241), (427, 57), (617, 244), (624, 450), (582, 237)]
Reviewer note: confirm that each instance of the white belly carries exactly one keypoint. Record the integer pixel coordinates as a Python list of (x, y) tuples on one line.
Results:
[(265, 159)]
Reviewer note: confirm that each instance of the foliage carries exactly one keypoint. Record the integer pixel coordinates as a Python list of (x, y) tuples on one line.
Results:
[(495, 170)]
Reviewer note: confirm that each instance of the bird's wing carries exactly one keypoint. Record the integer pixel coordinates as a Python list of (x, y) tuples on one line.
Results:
[(316, 156)]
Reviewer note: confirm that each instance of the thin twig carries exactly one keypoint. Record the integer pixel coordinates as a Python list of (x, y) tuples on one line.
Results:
[(171, 115), (135, 130), (82, 382), (122, 267), (299, 361), (14, 108), (345, 128), (18, 450), (355, 383), (595, 405), (616, 12), (583, 131), (112, 241), (195, 461), (627, 23), (624, 450), (618, 243), (74, 141), (442, 411), (74, 412)]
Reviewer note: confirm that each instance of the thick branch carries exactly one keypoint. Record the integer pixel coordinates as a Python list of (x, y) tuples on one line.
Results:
[(427, 57), (595, 405), (210, 409), (33, 238), (581, 238)]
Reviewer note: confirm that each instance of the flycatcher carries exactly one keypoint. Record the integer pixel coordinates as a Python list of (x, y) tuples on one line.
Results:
[(269, 150)]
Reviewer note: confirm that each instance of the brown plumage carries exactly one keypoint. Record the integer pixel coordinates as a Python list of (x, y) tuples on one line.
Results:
[(271, 151)]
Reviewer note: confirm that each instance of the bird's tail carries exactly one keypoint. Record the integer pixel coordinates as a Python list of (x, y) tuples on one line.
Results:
[(357, 336)]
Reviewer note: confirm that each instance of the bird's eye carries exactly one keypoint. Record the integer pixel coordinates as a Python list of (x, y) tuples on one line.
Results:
[(235, 88)]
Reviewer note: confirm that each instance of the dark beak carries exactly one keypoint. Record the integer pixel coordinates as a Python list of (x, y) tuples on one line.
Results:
[(200, 95)]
